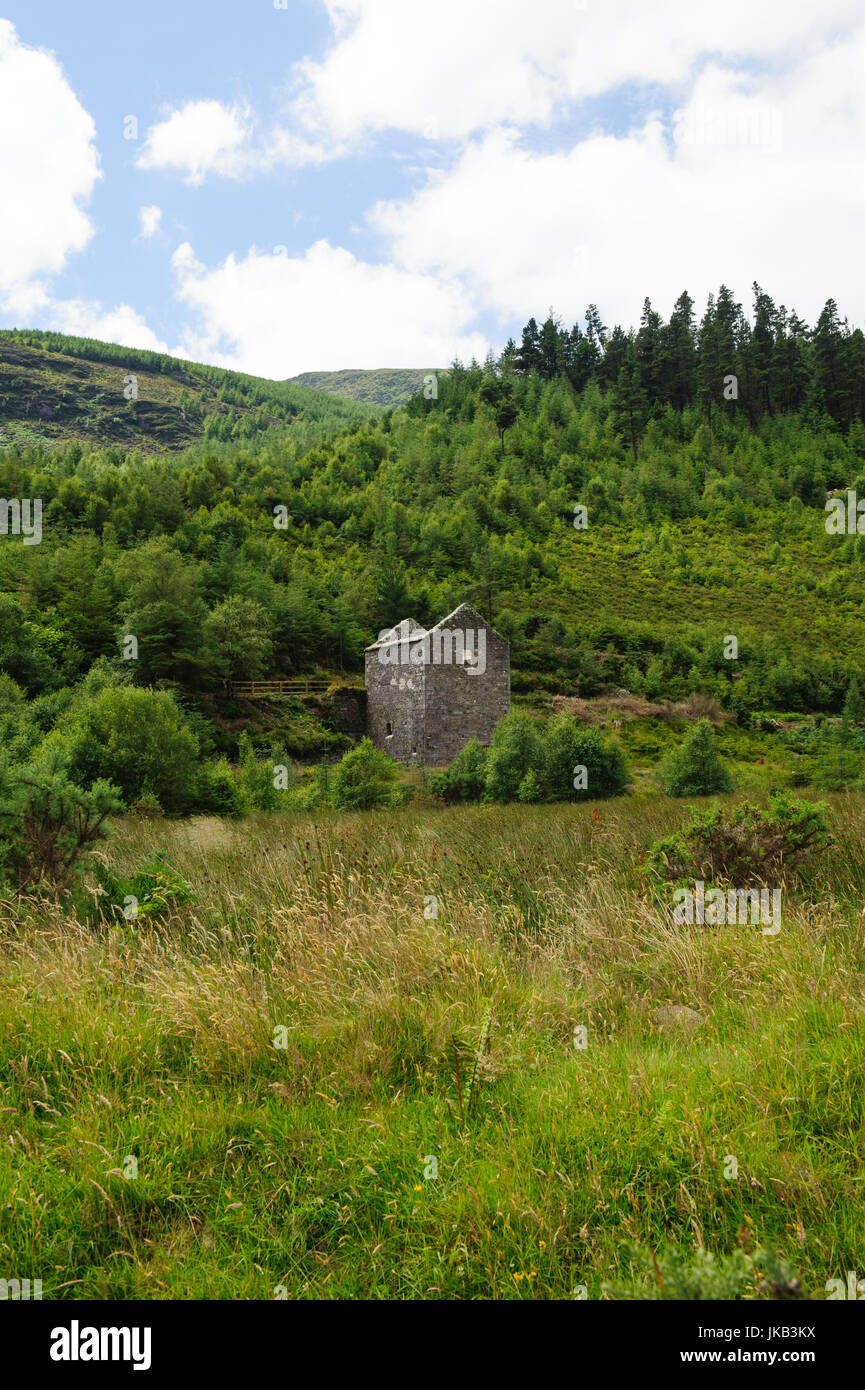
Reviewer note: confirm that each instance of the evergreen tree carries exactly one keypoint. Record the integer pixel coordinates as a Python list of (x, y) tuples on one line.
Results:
[(854, 705), (695, 767), (679, 355), (829, 339), (650, 353), (630, 405)]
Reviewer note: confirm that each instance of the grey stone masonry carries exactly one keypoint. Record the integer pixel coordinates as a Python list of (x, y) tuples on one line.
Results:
[(430, 690)]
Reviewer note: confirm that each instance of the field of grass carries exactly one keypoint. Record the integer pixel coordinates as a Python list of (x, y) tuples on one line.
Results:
[(357, 1159)]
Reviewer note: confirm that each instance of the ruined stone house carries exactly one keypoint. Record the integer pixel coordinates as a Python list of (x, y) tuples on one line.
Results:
[(430, 690)]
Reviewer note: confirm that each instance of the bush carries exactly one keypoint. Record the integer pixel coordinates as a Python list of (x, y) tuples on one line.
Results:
[(465, 779), (531, 788), (854, 705), (836, 769), (695, 767), (516, 749), (568, 746), (258, 790), (743, 844), (363, 779), (48, 823), (216, 789), (528, 764), (140, 739), (312, 792), (151, 894)]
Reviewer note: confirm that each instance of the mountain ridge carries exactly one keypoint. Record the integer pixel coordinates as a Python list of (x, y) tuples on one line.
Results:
[(55, 387), (384, 386)]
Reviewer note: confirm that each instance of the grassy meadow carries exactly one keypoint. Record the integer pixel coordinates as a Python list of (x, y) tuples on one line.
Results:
[(306, 1084)]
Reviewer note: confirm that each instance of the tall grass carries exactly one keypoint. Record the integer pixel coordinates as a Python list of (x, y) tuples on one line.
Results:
[(266, 1170)]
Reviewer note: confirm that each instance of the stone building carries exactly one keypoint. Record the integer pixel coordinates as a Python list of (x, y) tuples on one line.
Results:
[(430, 690)]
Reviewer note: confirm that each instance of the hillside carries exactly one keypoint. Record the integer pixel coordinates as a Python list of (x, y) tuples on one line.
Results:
[(54, 387), (386, 386), (282, 550)]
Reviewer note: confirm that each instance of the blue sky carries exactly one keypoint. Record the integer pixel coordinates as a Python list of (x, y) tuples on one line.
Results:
[(347, 183)]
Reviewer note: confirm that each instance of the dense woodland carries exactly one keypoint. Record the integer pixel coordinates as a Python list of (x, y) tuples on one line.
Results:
[(285, 549)]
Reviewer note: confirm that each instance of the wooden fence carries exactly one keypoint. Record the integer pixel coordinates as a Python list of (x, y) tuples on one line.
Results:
[(273, 689)]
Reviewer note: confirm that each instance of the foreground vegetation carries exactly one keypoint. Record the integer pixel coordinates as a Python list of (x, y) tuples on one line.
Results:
[(345, 1066)]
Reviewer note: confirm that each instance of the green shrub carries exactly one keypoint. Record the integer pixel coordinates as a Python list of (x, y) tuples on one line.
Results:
[(567, 746), (312, 792), (140, 740), (216, 789), (695, 767), (531, 788), (465, 779), (151, 894), (837, 768), (362, 780), (802, 773), (516, 749), (48, 823), (743, 844), (258, 789), (854, 705)]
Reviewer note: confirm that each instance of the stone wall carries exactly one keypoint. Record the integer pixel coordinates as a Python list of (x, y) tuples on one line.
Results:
[(425, 700), (461, 706), (348, 711), (394, 711)]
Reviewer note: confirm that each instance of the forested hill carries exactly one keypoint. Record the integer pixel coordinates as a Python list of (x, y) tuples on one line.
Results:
[(769, 364), (286, 549), (384, 386), (56, 387)]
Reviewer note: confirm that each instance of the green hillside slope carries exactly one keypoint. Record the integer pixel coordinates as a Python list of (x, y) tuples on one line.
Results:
[(284, 548), (54, 387), (386, 386)]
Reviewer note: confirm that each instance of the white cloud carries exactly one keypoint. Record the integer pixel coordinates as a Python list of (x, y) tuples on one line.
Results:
[(761, 180), (278, 315), (48, 168), (87, 319), (450, 71), (149, 220), (200, 138), (454, 68)]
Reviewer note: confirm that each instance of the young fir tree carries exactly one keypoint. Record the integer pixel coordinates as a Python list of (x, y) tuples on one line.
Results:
[(854, 705), (695, 767)]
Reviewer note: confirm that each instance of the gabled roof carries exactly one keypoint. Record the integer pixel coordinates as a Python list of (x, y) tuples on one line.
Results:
[(462, 617), (465, 617), (407, 628)]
